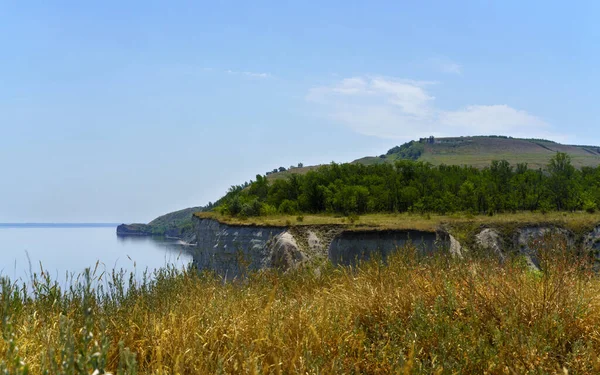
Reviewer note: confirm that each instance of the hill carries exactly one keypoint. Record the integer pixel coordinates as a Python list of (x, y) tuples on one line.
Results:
[(481, 150), (364, 192), (173, 224)]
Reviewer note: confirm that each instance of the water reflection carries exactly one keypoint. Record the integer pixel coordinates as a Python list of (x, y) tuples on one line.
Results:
[(169, 244), (67, 250)]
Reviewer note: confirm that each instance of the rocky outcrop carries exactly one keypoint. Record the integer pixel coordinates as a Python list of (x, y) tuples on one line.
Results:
[(456, 249), (530, 241), (527, 242), (490, 241), (284, 252), (592, 241), (591, 244)]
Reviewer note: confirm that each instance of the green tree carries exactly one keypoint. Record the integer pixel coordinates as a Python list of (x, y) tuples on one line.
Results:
[(561, 182)]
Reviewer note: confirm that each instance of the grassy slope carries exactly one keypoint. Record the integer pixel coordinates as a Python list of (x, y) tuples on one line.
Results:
[(176, 218), (480, 151), (280, 175), (172, 224)]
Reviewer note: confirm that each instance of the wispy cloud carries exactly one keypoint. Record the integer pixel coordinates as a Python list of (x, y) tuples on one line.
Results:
[(445, 65), (404, 109), (249, 74)]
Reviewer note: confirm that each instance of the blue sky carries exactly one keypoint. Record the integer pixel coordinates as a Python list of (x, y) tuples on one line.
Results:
[(120, 111)]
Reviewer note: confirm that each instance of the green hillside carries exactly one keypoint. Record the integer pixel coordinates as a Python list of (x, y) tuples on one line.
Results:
[(174, 224), (480, 151)]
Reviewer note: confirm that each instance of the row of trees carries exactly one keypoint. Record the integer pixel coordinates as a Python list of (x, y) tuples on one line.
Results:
[(409, 186)]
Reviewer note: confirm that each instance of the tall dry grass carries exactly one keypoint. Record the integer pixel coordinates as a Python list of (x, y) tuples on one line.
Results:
[(413, 315)]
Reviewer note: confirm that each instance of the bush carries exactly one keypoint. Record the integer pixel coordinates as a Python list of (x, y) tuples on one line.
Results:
[(235, 206), (252, 208), (300, 219), (267, 210), (589, 206), (288, 207)]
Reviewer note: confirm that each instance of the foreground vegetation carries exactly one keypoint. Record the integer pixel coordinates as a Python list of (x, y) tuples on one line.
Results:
[(414, 315)]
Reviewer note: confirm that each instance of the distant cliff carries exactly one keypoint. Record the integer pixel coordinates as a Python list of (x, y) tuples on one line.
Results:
[(174, 224)]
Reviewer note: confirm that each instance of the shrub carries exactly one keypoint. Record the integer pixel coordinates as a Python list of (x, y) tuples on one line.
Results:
[(589, 206), (252, 208), (235, 206), (288, 207), (267, 209)]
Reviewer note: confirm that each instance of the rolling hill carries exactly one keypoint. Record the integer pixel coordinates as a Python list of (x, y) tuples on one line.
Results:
[(480, 151)]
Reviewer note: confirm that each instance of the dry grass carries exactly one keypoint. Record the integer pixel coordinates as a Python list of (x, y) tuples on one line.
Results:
[(413, 316), (577, 221)]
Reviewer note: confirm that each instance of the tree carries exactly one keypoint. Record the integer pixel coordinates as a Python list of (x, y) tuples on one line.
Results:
[(260, 188), (409, 186), (561, 182)]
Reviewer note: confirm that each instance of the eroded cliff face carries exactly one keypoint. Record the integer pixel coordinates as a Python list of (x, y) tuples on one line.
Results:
[(234, 250), (352, 246), (592, 242)]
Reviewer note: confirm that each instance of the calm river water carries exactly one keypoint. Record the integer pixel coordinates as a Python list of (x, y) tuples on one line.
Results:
[(62, 249)]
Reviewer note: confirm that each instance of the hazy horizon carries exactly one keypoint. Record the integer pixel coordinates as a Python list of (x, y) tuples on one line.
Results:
[(121, 112)]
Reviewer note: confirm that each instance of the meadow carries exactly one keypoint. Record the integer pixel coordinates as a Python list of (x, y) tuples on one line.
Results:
[(409, 315)]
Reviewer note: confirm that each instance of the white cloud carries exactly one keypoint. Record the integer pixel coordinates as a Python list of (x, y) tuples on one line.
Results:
[(249, 74), (404, 109)]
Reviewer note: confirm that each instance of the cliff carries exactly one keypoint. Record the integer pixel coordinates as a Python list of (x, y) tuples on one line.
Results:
[(232, 249)]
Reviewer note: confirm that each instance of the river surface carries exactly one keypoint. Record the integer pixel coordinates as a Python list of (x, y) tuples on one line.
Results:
[(71, 248)]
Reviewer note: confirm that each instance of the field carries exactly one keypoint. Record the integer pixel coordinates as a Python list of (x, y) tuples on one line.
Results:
[(434, 315)]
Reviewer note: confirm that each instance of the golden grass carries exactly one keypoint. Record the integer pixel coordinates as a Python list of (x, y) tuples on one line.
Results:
[(577, 221), (413, 316)]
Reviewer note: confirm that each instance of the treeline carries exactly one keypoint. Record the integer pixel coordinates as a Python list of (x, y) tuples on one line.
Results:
[(409, 186)]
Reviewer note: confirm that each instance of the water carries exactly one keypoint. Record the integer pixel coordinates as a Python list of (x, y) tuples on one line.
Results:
[(70, 248)]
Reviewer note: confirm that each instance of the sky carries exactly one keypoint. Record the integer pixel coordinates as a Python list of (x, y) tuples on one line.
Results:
[(120, 111)]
